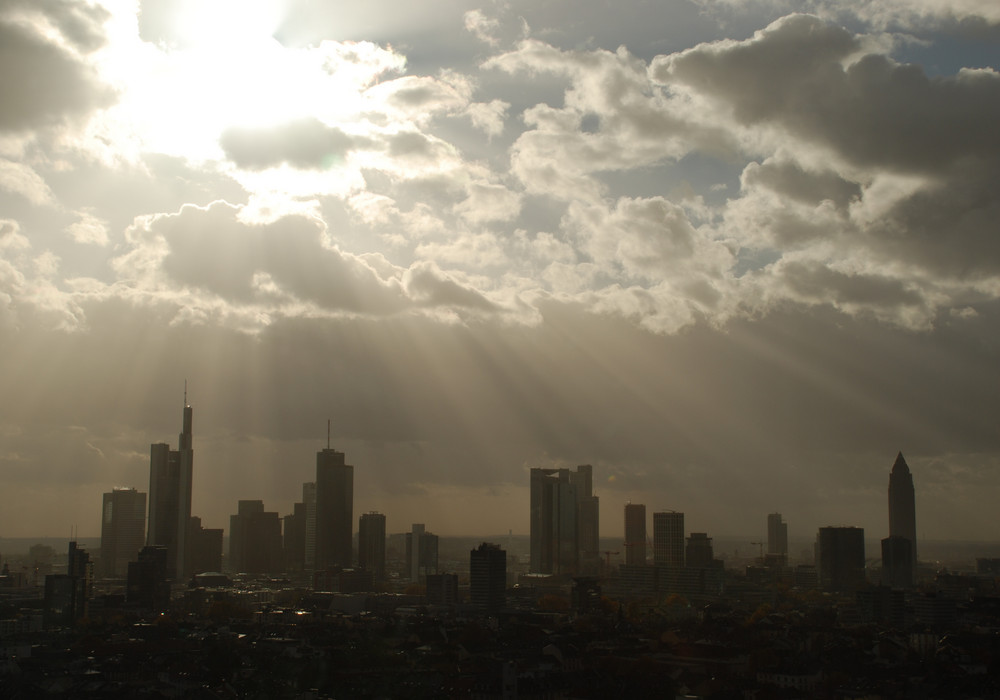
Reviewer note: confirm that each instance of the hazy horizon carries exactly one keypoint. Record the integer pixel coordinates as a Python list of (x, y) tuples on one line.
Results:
[(734, 257)]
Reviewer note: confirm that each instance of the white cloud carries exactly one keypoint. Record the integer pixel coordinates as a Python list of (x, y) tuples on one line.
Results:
[(21, 179), (483, 27), (89, 229), (488, 202)]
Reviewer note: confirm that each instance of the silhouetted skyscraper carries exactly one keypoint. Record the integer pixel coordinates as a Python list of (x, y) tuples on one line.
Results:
[(902, 505), (421, 552), (170, 473), (123, 530), (147, 579), (334, 510), (588, 520), (309, 498), (840, 558), (668, 538), (777, 535), (255, 545), (488, 576), (67, 596), (294, 538), (897, 562), (564, 521), (699, 552), (371, 544), (206, 547), (635, 534)]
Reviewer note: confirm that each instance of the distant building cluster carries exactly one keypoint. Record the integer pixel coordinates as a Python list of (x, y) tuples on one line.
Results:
[(556, 619), (149, 543)]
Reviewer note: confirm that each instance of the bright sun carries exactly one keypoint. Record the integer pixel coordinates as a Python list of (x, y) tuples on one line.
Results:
[(226, 70)]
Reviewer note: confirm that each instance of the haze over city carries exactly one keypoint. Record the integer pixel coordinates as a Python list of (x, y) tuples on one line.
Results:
[(734, 258)]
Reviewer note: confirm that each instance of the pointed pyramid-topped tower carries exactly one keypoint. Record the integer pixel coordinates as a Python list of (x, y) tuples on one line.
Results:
[(902, 507)]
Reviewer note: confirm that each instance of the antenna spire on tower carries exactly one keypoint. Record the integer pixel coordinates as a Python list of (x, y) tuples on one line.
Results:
[(185, 392), (328, 433)]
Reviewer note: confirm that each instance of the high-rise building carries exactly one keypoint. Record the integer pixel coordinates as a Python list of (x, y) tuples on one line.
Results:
[(123, 530), (309, 498), (255, 545), (699, 554), (488, 576), (170, 473), (421, 552), (294, 538), (635, 534), (902, 506), (588, 520), (334, 510), (442, 589), (777, 535), (371, 544), (147, 585), (67, 596), (897, 562), (668, 538), (840, 558), (564, 523), (206, 547)]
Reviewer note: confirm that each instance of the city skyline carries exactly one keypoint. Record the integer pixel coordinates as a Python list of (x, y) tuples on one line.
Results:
[(729, 255), (167, 465)]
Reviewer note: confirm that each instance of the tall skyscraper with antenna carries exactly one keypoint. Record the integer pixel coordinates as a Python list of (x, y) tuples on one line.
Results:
[(170, 473)]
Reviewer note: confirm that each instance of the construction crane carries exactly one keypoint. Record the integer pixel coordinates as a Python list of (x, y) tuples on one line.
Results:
[(761, 545)]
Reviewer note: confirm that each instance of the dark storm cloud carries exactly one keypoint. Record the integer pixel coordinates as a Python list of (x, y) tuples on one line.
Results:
[(949, 228), (305, 143), (791, 180), (817, 283), (800, 74), (42, 83)]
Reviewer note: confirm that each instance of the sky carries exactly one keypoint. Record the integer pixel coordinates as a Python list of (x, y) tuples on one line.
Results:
[(735, 254)]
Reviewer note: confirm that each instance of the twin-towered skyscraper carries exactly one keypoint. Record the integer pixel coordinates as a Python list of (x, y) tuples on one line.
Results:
[(564, 521)]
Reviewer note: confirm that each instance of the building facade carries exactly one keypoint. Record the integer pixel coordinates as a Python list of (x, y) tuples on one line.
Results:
[(255, 545), (294, 538), (488, 576), (421, 552), (698, 553), (123, 530), (147, 585), (777, 535), (206, 548), (897, 562), (635, 534), (668, 538), (371, 544), (840, 558), (309, 498)]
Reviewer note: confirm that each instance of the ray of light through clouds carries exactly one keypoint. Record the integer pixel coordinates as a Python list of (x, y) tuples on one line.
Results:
[(734, 254)]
